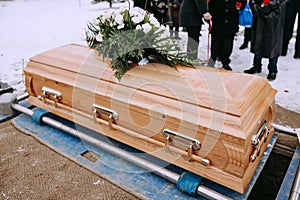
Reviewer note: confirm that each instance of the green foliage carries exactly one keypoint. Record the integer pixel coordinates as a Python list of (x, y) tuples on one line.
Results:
[(128, 36)]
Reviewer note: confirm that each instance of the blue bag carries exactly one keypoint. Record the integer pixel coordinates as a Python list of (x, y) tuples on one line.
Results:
[(245, 17)]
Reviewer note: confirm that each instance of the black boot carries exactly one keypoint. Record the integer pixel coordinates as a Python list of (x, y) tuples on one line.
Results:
[(297, 55), (271, 76), (227, 67), (284, 48), (253, 70), (283, 52)]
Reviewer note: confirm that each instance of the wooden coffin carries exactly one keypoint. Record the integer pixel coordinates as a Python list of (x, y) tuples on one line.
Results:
[(214, 123)]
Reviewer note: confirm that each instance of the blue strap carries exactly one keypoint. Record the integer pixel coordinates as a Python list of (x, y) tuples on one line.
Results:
[(38, 114), (189, 183)]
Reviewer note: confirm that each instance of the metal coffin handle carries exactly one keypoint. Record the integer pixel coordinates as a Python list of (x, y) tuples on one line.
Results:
[(112, 116), (192, 143), (46, 92), (258, 139)]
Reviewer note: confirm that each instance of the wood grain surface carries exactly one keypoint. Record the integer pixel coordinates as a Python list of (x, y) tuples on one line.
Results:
[(221, 109)]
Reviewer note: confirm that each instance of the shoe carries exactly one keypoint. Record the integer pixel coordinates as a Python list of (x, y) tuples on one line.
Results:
[(283, 53), (227, 67), (252, 70), (243, 46), (271, 76), (297, 56)]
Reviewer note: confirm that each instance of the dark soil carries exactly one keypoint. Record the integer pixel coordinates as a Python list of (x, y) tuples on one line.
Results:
[(286, 117), (31, 170)]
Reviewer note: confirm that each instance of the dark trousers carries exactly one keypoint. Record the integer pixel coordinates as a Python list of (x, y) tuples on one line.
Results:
[(272, 66), (292, 8), (247, 35), (193, 41), (221, 47)]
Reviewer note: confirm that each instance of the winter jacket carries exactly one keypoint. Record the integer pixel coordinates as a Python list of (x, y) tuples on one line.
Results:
[(267, 27), (225, 16), (191, 12)]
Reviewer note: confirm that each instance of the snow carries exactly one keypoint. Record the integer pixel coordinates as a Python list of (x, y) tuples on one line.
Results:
[(29, 27)]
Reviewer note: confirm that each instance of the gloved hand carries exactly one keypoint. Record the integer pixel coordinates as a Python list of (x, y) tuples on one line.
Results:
[(265, 2), (274, 4), (238, 4), (267, 8), (255, 9), (175, 6)]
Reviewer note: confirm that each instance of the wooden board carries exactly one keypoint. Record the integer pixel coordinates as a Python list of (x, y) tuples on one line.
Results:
[(220, 109)]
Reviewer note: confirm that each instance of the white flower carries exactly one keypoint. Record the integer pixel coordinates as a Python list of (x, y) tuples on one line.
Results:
[(137, 19), (121, 26), (99, 37), (138, 27), (146, 27), (153, 20), (119, 19), (112, 23), (137, 11), (96, 21), (107, 14), (121, 10)]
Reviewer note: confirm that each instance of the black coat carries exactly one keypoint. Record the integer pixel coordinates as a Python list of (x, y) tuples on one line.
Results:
[(191, 12), (267, 28), (225, 16)]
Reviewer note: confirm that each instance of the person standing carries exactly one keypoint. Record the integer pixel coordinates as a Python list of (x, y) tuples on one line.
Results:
[(292, 9), (225, 25), (190, 17), (267, 32), (174, 6)]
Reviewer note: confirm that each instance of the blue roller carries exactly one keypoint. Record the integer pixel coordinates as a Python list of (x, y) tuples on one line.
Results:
[(189, 183), (38, 114)]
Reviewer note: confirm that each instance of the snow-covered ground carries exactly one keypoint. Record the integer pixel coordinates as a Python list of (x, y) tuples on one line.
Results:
[(29, 27)]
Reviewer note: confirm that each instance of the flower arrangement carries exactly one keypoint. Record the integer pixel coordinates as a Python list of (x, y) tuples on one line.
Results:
[(128, 36)]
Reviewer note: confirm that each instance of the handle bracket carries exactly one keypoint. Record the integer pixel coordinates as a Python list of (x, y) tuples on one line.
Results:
[(191, 143), (47, 92), (258, 139), (112, 116)]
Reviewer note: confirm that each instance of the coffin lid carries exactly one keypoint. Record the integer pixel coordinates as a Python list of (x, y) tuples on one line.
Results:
[(216, 89)]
